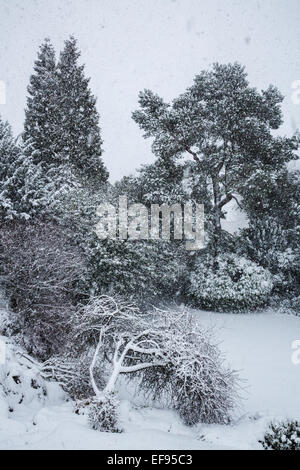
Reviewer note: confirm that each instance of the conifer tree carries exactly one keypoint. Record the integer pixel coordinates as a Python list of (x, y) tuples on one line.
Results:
[(9, 154), (8, 149), (61, 120), (29, 189), (22, 182), (41, 114), (224, 126), (78, 135)]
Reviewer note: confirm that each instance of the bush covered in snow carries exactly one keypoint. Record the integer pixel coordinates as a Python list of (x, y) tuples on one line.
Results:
[(172, 355), (229, 282), (41, 274), (22, 381), (273, 243), (289, 305), (143, 271), (103, 414), (282, 436), (194, 380)]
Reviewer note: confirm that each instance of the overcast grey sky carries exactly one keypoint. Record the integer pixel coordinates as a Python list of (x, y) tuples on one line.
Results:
[(128, 45)]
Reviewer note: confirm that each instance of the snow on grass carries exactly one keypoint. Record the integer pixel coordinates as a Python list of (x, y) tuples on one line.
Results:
[(259, 345), (57, 427)]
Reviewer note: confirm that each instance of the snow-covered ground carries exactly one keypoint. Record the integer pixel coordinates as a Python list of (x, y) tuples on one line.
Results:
[(259, 345)]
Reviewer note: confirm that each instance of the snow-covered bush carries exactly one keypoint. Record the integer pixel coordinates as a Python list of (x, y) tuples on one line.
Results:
[(273, 243), (23, 381), (143, 271), (41, 273), (194, 381), (282, 436), (229, 282), (103, 414), (140, 270), (170, 353), (289, 306)]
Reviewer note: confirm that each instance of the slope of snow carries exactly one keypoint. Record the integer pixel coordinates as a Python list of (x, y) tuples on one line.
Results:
[(259, 345)]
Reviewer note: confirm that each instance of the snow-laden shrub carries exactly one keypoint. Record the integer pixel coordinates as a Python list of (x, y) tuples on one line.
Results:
[(103, 415), (195, 381), (229, 282), (282, 436), (23, 381), (143, 271), (274, 245), (173, 356), (289, 306), (41, 272)]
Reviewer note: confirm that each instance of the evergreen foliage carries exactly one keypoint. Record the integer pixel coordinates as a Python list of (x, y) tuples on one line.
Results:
[(282, 436)]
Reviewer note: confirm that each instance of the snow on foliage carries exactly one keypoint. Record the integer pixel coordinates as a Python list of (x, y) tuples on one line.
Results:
[(72, 297), (224, 126), (229, 282), (63, 127), (104, 415), (23, 382), (170, 353), (282, 436)]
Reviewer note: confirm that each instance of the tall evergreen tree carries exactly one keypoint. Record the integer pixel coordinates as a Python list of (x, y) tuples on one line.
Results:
[(61, 120), (78, 135), (41, 114), (224, 126)]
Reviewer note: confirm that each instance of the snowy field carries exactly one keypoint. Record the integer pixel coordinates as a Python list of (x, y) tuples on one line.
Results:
[(258, 345)]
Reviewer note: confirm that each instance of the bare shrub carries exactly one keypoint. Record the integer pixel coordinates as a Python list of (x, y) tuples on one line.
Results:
[(72, 373), (41, 273)]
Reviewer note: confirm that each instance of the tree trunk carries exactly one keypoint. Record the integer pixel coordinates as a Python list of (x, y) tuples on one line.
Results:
[(110, 386), (217, 229), (98, 393)]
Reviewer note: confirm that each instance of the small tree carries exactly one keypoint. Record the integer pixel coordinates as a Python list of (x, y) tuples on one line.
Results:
[(169, 351), (10, 155), (8, 150)]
